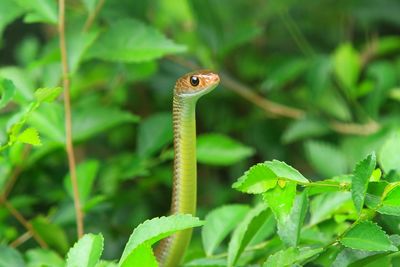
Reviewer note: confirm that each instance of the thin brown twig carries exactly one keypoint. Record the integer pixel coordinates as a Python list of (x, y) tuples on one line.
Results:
[(68, 119), (15, 173), (21, 239), (92, 15), (278, 110), (24, 222)]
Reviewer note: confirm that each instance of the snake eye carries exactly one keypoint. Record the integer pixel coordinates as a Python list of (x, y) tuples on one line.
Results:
[(194, 80)]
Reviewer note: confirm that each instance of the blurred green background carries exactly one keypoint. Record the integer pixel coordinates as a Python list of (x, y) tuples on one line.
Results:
[(311, 83)]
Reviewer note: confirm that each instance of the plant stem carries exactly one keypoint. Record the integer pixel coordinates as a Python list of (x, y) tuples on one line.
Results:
[(24, 222), (92, 15), (68, 120), (274, 109)]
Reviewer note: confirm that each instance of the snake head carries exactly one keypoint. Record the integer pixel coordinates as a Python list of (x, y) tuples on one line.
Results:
[(196, 84)]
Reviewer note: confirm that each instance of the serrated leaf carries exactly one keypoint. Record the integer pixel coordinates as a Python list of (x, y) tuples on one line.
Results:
[(86, 173), (391, 203), (43, 257), (154, 133), (389, 156), (347, 66), (368, 236), (258, 179), (219, 223), (47, 94), (129, 40), (49, 118), (86, 252), (286, 172), (326, 158), (325, 205), (304, 128), (264, 176), (290, 256), (10, 257), (289, 226), (218, 149), (143, 256), (361, 175), (40, 11), (281, 201), (245, 232), (29, 136), (156, 229), (7, 91)]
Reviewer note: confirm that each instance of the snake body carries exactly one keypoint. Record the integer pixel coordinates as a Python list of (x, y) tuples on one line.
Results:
[(188, 89)]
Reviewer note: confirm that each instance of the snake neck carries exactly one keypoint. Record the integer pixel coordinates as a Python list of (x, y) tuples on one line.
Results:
[(185, 170), (184, 191)]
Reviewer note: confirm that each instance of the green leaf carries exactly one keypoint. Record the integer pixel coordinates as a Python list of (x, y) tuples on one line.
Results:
[(361, 175), (219, 223), (286, 172), (7, 91), (245, 232), (44, 11), (129, 40), (304, 128), (43, 258), (91, 120), (326, 158), (47, 94), (347, 67), (154, 230), (283, 74), (86, 173), (51, 233), (106, 264), (218, 149), (86, 252), (289, 225), (391, 203), (142, 256), (258, 179), (10, 257), (389, 156), (264, 176), (290, 256), (78, 43), (207, 262), (29, 136), (49, 118), (90, 5), (387, 45), (280, 199), (384, 76), (9, 11), (325, 205), (368, 236), (154, 133)]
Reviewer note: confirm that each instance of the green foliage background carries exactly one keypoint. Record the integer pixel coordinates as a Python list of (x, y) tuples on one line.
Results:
[(314, 84)]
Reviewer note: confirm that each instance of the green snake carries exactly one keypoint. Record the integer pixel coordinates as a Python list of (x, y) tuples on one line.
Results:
[(188, 89)]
